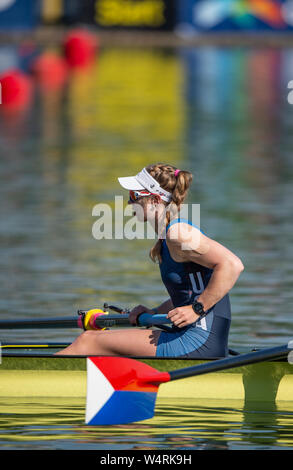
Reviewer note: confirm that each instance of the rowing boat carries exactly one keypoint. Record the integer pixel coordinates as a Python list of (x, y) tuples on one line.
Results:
[(27, 373), (120, 390)]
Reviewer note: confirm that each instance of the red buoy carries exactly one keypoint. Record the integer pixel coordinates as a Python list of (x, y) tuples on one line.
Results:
[(50, 70), (16, 89), (80, 48)]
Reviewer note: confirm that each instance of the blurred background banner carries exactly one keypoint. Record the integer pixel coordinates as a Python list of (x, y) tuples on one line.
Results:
[(235, 15), (19, 14), (138, 14), (189, 16), (129, 14), (186, 16)]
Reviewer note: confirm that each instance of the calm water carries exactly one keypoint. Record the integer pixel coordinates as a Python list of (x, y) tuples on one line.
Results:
[(222, 114), (48, 424)]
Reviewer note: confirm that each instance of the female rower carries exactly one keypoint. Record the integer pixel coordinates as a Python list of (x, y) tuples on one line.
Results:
[(197, 272)]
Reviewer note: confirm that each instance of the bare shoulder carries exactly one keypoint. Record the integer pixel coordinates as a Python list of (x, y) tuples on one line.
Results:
[(182, 238), (187, 243)]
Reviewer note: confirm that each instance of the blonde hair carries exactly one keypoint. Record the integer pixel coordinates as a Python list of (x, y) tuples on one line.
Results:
[(178, 185)]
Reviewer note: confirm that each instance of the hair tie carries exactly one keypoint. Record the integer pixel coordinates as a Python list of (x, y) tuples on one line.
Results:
[(176, 173)]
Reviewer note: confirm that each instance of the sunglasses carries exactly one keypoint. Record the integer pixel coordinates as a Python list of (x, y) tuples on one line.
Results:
[(135, 195)]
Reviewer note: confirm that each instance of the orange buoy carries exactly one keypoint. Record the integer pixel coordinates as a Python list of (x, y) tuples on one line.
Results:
[(16, 89), (80, 48), (50, 70)]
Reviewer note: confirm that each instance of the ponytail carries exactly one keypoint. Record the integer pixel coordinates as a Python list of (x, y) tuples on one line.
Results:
[(176, 182)]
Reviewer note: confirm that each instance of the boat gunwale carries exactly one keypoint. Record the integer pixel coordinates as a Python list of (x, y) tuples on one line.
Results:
[(84, 356), (22, 355)]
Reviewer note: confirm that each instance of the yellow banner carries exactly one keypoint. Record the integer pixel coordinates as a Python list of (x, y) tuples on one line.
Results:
[(149, 13)]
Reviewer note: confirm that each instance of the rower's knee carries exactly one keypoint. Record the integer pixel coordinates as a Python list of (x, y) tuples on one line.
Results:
[(86, 341)]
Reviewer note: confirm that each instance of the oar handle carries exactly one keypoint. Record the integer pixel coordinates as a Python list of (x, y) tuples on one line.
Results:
[(147, 319)]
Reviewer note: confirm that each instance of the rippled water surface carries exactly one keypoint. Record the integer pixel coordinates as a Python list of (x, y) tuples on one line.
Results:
[(222, 114), (47, 424)]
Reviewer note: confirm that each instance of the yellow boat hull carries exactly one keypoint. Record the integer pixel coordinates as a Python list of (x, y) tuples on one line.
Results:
[(65, 377)]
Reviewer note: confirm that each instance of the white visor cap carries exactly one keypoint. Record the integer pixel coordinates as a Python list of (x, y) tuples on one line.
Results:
[(143, 180)]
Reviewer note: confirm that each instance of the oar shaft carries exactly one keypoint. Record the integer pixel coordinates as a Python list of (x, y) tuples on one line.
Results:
[(102, 321), (145, 319), (65, 322), (231, 362)]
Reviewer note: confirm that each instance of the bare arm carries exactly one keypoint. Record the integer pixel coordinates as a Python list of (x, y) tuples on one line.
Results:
[(164, 308), (189, 244), (222, 280)]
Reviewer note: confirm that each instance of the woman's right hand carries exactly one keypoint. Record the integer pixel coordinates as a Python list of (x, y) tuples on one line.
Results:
[(137, 311)]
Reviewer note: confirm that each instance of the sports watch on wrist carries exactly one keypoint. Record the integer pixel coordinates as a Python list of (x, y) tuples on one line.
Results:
[(198, 308)]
